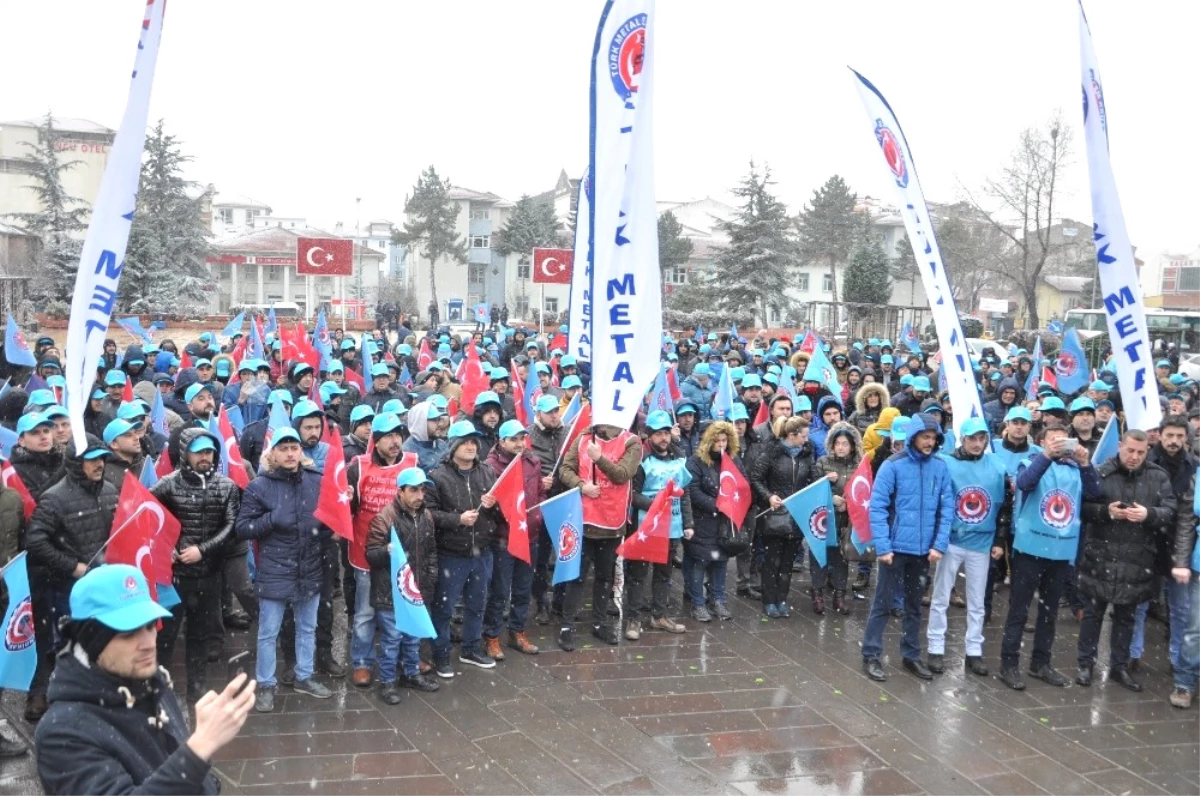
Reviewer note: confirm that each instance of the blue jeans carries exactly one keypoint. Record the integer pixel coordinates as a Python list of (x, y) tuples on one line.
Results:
[(394, 647), (510, 575), (907, 573), (694, 570), (1182, 605), (362, 639), (270, 619), (465, 578), (1188, 671)]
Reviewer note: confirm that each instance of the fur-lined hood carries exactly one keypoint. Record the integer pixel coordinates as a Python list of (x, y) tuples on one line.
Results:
[(799, 361), (860, 398), (843, 428)]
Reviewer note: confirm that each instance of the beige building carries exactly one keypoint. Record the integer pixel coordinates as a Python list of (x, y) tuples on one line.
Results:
[(79, 140)]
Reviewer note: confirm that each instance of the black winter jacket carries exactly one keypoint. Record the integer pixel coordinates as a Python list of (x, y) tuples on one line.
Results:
[(206, 507), (38, 471), (419, 540), (70, 524), (1181, 470), (547, 446), (777, 473), (1119, 556), (93, 740), (448, 494), (115, 468), (277, 512), (250, 442), (710, 524)]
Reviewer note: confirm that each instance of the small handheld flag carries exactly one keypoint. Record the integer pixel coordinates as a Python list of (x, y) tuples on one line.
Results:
[(412, 617), (734, 496), (16, 350), (234, 326), (18, 656), (1110, 440), (563, 515), (652, 539), (1071, 367), (812, 509), (509, 491), (858, 504)]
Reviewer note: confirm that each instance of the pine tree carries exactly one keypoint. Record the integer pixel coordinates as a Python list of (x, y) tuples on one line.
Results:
[(755, 270), (868, 276), (165, 264), (60, 223), (530, 225), (430, 217), (829, 230), (673, 249)]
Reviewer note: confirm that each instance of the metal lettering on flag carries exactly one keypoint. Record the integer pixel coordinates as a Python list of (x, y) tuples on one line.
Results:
[(325, 256), (553, 266), (579, 311)]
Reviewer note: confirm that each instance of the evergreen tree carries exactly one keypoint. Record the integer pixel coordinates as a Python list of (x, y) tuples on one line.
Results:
[(755, 269), (60, 223), (829, 230), (165, 264), (530, 225), (430, 217), (673, 249), (868, 277)]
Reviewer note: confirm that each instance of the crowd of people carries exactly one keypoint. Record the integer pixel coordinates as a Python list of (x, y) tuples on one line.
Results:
[(1013, 498)]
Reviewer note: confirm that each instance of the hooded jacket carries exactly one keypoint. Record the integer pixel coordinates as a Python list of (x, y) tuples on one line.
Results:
[(872, 440), (700, 396), (912, 501), (430, 452), (863, 417), (995, 409), (775, 472), (829, 463), (105, 735), (819, 429)]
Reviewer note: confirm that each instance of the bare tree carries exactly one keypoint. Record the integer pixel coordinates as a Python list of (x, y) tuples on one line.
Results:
[(1024, 197)]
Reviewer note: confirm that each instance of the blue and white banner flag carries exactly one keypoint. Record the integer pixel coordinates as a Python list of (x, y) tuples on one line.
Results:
[(572, 410), (1071, 367), (908, 336), (234, 326), (103, 254), (1123, 307), (563, 516), (16, 350), (1035, 372), (256, 350), (18, 658), (626, 285), (133, 325), (660, 394), (272, 326), (158, 415), (579, 312), (1109, 442), (724, 396), (483, 312), (812, 509), (902, 173), (820, 369), (412, 615)]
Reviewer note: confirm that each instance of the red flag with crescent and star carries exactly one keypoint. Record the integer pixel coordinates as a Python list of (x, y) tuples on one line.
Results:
[(10, 479), (652, 539), (232, 453), (144, 533), (809, 343), (733, 499), (333, 504), (473, 380), (509, 491), (325, 256), (858, 500), (552, 266), (424, 356)]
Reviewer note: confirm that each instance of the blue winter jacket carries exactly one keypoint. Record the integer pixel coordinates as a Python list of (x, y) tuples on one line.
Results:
[(277, 512), (912, 502), (702, 397)]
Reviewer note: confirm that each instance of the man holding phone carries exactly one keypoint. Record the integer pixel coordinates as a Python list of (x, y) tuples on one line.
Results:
[(1050, 487)]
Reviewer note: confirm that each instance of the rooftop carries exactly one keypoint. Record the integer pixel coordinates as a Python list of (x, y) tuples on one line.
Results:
[(1067, 284), (460, 193), (277, 240), (64, 124), (228, 199)]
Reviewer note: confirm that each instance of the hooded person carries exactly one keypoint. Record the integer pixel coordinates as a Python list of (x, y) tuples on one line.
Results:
[(876, 435), (426, 437), (134, 364), (1008, 395), (869, 403), (843, 453), (487, 417), (823, 419), (12, 406)]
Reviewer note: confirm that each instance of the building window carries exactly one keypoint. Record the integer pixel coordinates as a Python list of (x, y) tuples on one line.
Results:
[(274, 273), (827, 283), (481, 213), (1189, 279), (774, 315), (522, 306), (552, 305), (523, 270), (226, 215), (475, 272), (802, 283), (677, 275), (481, 241)]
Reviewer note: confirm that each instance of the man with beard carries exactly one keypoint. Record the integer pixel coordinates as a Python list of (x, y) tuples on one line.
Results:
[(546, 436), (121, 439), (201, 403), (688, 436)]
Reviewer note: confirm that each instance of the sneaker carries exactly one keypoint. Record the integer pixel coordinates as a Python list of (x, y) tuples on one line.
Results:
[(773, 611), (264, 700), (566, 639), (476, 658), (1011, 677), (492, 649), (633, 630), (12, 746), (312, 688), (519, 641), (1047, 674), (1180, 698), (444, 670), (606, 633), (418, 682), (389, 693), (721, 611), (784, 611), (700, 613), (667, 624)]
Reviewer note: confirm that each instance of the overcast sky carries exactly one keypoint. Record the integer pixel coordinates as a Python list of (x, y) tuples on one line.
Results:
[(309, 105)]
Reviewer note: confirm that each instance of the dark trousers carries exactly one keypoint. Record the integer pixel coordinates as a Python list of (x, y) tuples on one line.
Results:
[(49, 605), (349, 583), (908, 574), (637, 573), (1027, 575), (511, 580), (234, 581), (541, 570), (199, 602), (833, 574), (599, 556), (749, 563), (329, 575), (1120, 634), (778, 554)]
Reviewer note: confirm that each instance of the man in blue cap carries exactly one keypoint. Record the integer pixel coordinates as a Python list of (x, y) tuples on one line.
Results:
[(381, 388), (114, 386), (114, 725), (697, 389), (1083, 423), (201, 405), (121, 438)]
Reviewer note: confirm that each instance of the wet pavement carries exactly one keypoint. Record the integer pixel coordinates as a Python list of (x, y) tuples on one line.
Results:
[(748, 706)]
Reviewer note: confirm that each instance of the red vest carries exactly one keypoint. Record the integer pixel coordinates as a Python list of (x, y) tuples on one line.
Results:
[(611, 509), (376, 488)]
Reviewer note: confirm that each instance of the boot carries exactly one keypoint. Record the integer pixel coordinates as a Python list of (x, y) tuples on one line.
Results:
[(520, 642), (818, 601), (492, 648), (862, 582), (839, 601), (35, 707)]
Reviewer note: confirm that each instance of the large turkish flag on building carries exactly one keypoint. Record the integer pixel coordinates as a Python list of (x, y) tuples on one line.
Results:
[(325, 256), (553, 266)]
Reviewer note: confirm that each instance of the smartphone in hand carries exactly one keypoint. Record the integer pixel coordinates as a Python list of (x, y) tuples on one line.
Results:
[(238, 665)]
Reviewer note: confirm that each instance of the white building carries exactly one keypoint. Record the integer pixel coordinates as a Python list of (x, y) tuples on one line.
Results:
[(79, 140), (1172, 280), (235, 214)]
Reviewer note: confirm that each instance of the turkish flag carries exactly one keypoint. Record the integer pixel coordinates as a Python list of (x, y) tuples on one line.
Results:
[(559, 341), (473, 380), (357, 380), (127, 393), (9, 477), (297, 348), (424, 356), (673, 385), (509, 491), (553, 266), (162, 465), (518, 396), (652, 540), (325, 256), (1049, 377), (232, 453), (809, 343), (858, 500), (761, 415), (734, 498), (185, 360), (144, 534), (333, 504), (239, 351)]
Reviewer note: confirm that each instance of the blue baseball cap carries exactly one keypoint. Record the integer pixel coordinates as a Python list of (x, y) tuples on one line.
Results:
[(404, 349), (568, 362), (285, 434), (329, 390), (394, 406), (921, 384), (385, 423), (434, 412), (1176, 379), (512, 428), (547, 403), (46, 398), (751, 381), (1099, 386), (1163, 363), (802, 403), (570, 382), (907, 379), (498, 374), (461, 430), (658, 420), (195, 389), (56, 411), (116, 428), (306, 408), (488, 397), (116, 596), (348, 344), (203, 363), (1082, 404), (97, 395), (280, 395), (56, 380), (411, 476), (114, 378), (31, 421), (1018, 413), (1052, 403), (130, 410), (772, 379), (336, 366), (299, 368), (360, 413), (886, 359), (738, 412), (379, 369), (702, 369), (248, 364), (972, 426), (542, 367), (440, 401), (202, 443), (685, 408), (432, 367), (223, 367)]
